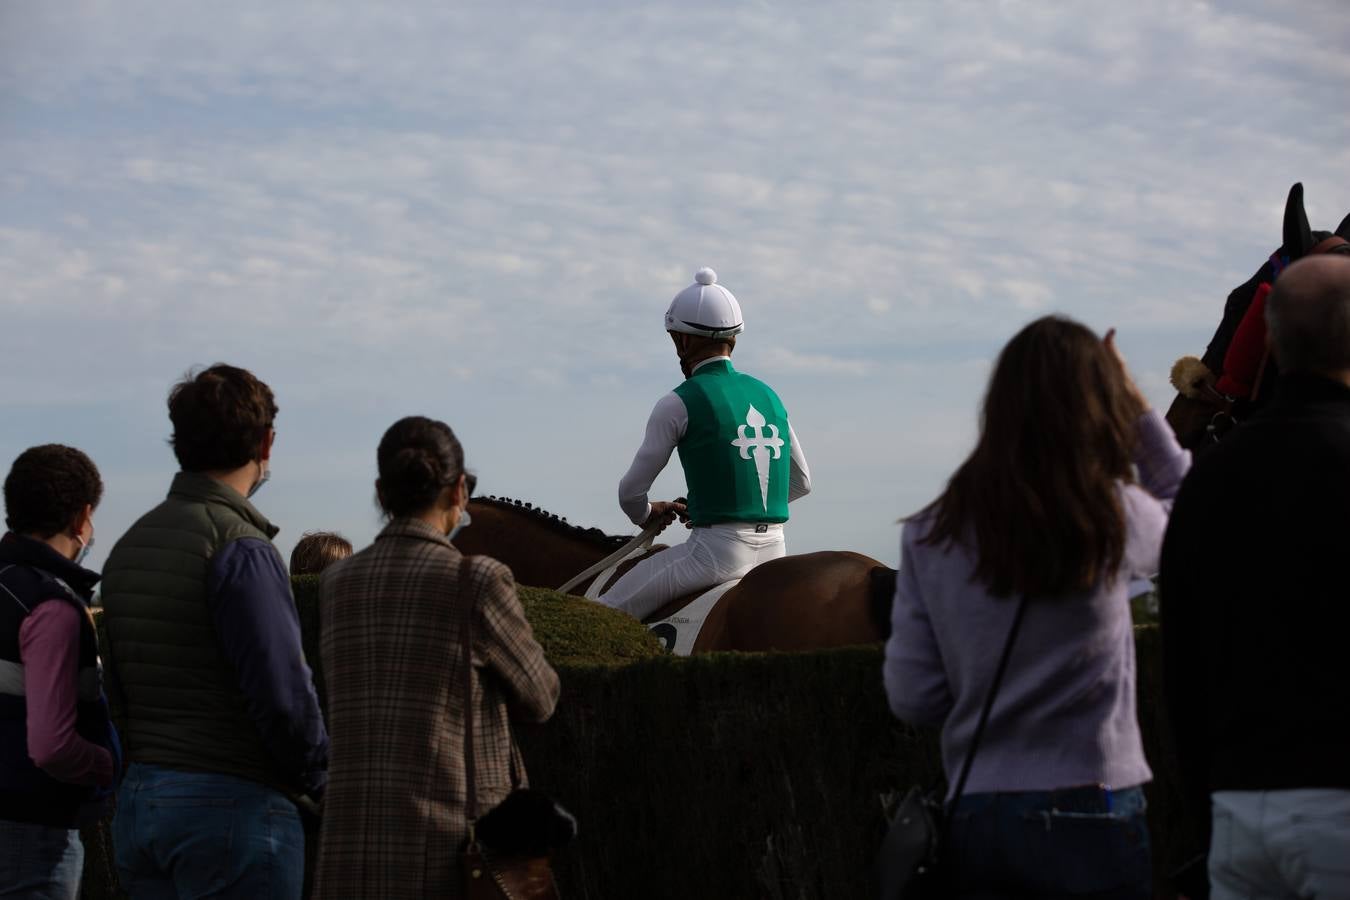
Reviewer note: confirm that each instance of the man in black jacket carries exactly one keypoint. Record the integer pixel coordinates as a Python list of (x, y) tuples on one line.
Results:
[(1255, 600)]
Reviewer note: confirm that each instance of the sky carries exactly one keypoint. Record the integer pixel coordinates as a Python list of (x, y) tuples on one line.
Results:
[(480, 211)]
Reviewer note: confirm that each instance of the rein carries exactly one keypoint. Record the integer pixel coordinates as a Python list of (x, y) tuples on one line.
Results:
[(639, 543)]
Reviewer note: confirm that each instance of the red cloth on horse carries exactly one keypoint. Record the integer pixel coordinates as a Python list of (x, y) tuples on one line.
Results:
[(1242, 362)]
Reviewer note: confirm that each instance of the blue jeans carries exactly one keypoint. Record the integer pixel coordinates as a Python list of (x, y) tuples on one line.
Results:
[(39, 861), (195, 835), (1076, 842), (1280, 845)]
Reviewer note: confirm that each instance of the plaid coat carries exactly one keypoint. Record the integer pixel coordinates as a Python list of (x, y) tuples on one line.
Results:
[(391, 641)]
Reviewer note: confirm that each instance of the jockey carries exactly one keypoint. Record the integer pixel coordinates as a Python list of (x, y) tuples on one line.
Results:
[(742, 462)]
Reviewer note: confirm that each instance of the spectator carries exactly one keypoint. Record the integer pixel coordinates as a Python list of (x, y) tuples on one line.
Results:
[(1045, 511), (223, 727), (1254, 614), (392, 625), (317, 550), (58, 750)]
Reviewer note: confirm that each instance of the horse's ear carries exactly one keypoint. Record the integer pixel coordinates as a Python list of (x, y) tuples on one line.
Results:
[(1343, 229), (1298, 238)]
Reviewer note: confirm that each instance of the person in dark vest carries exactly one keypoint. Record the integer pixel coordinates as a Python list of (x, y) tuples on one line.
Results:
[(223, 731), (1253, 595), (59, 754), (742, 461)]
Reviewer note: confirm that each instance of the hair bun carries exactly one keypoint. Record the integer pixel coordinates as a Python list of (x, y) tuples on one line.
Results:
[(417, 467), (418, 458)]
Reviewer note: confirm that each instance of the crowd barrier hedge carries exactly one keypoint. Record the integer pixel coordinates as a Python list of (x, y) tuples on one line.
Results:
[(727, 775)]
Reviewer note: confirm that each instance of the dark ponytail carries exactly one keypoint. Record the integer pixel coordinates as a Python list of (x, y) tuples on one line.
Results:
[(418, 458)]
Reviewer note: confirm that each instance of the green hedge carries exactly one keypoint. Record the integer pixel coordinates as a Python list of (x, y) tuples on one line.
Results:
[(759, 775), (726, 775), (732, 775)]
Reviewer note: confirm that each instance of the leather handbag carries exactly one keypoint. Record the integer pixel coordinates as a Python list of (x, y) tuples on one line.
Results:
[(909, 866), (485, 874)]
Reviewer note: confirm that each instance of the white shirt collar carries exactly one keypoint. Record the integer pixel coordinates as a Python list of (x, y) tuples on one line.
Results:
[(711, 360)]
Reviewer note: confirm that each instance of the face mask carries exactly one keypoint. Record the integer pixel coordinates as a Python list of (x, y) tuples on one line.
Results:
[(465, 520), (262, 479), (85, 547)]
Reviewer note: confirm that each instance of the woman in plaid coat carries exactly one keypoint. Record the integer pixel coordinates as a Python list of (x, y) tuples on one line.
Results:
[(391, 638)]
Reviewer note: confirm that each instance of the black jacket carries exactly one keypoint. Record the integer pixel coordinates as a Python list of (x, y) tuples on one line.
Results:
[(1255, 599), (31, 573)]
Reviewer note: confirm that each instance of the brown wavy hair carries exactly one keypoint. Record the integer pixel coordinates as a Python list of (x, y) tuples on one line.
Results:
[(220, 417), (1037, 500), (317, 550)]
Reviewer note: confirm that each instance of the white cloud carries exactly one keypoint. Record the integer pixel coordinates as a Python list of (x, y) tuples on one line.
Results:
[(783, 360), (451, 204)]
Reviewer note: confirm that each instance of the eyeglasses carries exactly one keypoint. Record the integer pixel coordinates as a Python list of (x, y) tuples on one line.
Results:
[(470, 483)]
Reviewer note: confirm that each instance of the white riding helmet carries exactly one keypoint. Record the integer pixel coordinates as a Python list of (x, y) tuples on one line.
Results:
[(705, 308)]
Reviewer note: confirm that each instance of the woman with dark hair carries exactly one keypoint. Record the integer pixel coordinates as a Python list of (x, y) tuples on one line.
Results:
[(59, 753), (1043, 525), (392, 624)]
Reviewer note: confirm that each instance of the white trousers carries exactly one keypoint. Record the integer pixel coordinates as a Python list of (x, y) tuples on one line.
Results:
[(1280, 844), (711, 556)]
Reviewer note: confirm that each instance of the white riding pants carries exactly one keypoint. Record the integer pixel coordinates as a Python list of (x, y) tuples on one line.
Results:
[(1280, 844), (712, 555)]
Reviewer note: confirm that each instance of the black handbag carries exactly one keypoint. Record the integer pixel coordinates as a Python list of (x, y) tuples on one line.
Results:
[(909, 866)]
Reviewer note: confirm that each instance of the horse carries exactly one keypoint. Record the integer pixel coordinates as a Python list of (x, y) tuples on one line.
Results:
[(804, 602), (1235, 375)]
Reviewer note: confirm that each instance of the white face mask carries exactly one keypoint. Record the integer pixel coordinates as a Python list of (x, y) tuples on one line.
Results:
[(85, 546), (262, 479), (465, 520)]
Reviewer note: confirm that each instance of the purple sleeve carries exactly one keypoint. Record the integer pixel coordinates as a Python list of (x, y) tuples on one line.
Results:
[(1161, 462), (915, 679), (1162, 466), (256, 622), (49, 647)]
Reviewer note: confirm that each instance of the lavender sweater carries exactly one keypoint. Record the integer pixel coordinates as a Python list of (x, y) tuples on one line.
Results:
[(1065, 713)]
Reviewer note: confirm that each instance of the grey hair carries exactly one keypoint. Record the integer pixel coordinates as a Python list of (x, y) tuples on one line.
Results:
[(1308, 318)]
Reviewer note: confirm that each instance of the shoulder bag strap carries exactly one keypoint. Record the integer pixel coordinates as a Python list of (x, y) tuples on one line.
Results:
[(988, 704), (470, 773)]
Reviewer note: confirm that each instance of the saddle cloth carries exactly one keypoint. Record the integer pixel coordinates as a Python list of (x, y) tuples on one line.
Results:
[(680, 629)]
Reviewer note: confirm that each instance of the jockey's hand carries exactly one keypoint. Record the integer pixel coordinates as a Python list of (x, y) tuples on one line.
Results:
[(664, 512)]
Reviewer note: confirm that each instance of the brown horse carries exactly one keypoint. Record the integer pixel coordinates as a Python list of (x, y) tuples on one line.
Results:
[(807, 602)]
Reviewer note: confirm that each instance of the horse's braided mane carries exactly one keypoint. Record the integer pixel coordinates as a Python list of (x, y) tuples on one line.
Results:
[(558, 523)]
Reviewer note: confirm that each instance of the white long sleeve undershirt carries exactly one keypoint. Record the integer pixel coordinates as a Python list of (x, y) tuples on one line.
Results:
[(665, 429)]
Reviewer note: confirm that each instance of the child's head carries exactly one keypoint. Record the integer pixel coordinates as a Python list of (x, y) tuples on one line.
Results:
[(317, 550)]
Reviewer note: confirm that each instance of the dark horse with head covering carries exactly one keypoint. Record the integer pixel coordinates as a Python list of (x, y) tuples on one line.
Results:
[(1236, 374)]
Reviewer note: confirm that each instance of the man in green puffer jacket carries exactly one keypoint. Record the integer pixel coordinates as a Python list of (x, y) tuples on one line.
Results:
[(222, 731)]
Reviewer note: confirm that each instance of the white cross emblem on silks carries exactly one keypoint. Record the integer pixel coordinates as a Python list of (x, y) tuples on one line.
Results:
[(760, 446)]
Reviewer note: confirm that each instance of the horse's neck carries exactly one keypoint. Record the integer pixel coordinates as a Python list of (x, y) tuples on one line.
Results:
[(537, 552)]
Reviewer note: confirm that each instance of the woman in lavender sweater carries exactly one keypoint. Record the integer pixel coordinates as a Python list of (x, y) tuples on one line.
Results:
[(1063, 501)]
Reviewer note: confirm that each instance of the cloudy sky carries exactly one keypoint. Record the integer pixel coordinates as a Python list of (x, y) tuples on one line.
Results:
[(479, 212)]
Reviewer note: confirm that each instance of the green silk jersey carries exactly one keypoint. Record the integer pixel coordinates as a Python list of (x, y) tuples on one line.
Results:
[(735, 451)]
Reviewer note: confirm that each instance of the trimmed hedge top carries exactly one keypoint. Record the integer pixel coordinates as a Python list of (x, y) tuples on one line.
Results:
[(576, 632)]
